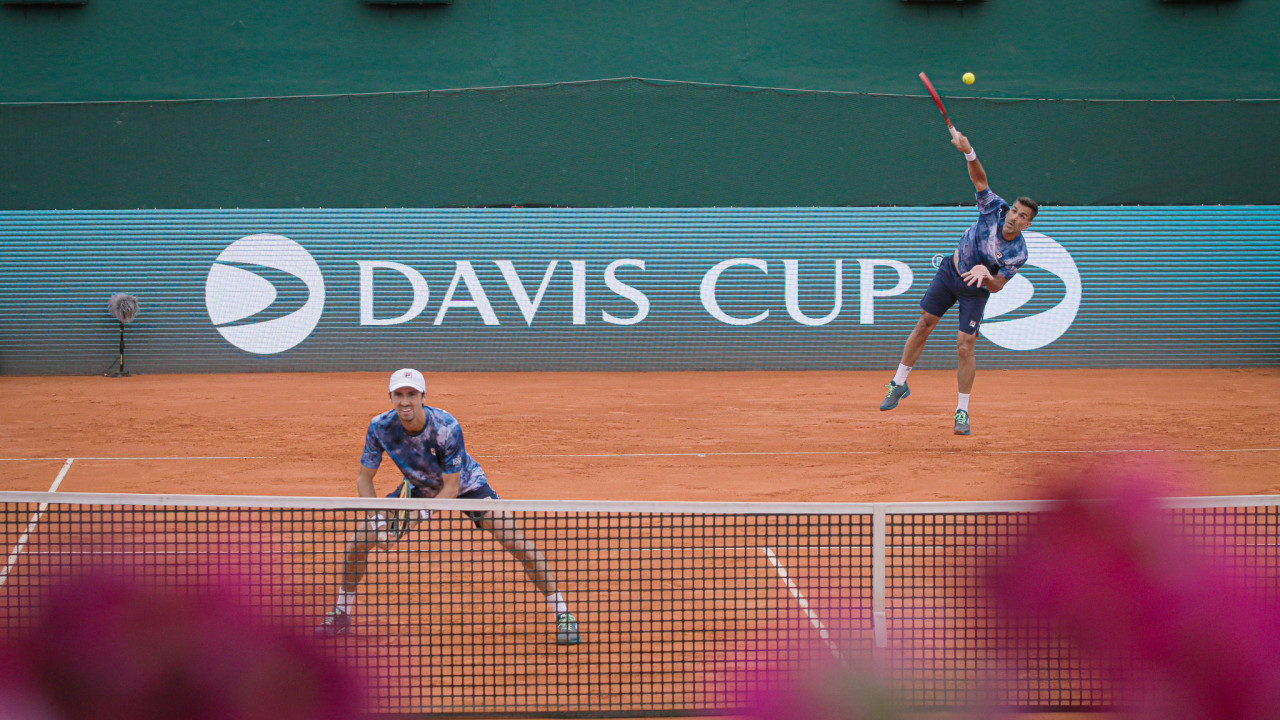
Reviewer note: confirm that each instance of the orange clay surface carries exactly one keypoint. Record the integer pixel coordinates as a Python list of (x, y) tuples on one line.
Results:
[(747, 436), (750, 436)]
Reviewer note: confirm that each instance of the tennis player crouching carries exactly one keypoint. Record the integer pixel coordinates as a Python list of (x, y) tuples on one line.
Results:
[(426, 445)]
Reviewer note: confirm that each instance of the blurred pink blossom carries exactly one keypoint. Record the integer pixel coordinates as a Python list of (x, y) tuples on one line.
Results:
[(110, 648), (1110, 572)]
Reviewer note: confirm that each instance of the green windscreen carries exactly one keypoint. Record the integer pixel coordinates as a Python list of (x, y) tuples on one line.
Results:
[(630, 143)]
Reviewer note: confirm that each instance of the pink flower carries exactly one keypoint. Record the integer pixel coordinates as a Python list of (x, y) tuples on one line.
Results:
[(110, 648), (1116, 578)]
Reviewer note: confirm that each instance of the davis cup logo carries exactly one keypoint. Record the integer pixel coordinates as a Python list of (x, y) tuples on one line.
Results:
[(235, 297), (1035, 331), (265, 294)]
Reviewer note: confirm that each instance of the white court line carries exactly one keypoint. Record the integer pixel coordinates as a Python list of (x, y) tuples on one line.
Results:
[(713, 453), (886, 452), (31, 526), (803, 601), (156, 457)]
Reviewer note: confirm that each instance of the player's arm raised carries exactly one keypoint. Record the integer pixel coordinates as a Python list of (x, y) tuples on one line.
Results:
[(976, 173)]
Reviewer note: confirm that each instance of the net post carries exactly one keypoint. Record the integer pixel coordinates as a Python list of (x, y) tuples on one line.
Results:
[(878, 535)]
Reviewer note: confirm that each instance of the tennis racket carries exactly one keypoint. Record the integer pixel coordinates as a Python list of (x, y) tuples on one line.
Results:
[(937, 100), (399, 521), (390, 526)]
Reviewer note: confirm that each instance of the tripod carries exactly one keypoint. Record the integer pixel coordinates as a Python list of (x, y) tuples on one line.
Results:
[(119, 361)]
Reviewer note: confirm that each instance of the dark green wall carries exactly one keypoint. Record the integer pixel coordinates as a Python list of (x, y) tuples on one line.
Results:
[(150, 49), (100, 108), (629, 144)]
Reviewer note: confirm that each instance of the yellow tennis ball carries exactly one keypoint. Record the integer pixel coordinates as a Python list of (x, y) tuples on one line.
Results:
[(968, 78)]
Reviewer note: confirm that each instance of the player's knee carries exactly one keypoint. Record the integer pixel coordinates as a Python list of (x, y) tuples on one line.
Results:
[(360, 544), (371, 533), (965, 344), (924, 328), (521, 547)]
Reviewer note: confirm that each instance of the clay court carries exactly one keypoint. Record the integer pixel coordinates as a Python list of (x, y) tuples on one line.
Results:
[(667, 252), (752, 436), (748, 436)]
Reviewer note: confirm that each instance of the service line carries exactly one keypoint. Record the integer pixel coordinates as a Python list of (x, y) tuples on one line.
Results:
[(713, 453), (31, 526), (803, 602), (151, 457)]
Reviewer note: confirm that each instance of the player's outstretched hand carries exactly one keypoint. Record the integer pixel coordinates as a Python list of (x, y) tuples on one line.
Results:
[(960, 141), (976, 275)]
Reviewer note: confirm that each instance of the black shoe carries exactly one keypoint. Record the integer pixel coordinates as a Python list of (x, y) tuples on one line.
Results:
[(335, 623)]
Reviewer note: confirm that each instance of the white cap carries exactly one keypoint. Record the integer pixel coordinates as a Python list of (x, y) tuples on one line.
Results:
[(408, 377)]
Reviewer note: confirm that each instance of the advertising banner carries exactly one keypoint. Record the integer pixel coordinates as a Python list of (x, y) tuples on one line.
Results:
[(632, 289)]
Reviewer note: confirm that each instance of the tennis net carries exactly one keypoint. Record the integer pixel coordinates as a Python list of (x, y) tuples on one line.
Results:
[(683, 608)]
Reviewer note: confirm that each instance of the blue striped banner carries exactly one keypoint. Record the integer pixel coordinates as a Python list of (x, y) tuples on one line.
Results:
[(623, 289)]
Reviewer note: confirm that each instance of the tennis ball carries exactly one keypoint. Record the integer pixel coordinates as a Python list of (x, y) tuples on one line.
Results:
[(968, 78)]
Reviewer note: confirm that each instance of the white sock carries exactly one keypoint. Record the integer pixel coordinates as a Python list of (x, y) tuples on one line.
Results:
[(345, 600), (558, 605), (964, 402), (901, 377)]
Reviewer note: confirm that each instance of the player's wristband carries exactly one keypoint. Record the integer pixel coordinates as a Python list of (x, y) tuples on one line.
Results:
[(971, 155)]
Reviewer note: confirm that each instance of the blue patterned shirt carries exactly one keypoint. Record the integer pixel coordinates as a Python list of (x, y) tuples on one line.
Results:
[(426, 457), (984, 243)]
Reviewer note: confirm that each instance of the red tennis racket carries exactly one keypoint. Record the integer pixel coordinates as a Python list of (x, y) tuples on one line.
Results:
[(941, 108)]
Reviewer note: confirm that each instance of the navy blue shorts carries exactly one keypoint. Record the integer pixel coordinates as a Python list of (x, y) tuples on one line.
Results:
[(948, 287), (484, 492)]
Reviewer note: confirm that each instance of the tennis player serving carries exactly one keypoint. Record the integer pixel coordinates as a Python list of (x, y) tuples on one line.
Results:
[(427, 447), (987, 257)]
